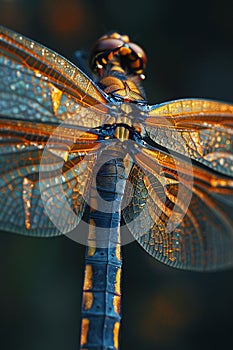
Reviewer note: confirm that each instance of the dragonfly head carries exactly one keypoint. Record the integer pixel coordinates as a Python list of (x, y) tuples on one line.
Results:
[(119, 64), (116, 48)]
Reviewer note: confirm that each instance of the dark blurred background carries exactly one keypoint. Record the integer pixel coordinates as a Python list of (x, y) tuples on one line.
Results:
[(190, 54)]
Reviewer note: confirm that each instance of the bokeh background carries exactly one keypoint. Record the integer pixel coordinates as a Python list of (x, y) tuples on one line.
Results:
[(190, 54)]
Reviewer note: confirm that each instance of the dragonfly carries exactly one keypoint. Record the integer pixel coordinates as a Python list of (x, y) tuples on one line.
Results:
[(79, 145)]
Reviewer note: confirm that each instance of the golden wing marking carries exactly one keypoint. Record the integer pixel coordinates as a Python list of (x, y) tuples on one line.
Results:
[(199, 129), (51, 66), (203, 238)]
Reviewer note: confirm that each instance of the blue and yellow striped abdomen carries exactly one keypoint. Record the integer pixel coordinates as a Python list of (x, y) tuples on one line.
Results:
[(101, 308)]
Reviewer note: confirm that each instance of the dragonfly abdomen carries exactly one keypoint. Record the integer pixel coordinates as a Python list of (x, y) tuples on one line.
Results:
[(101, 308)]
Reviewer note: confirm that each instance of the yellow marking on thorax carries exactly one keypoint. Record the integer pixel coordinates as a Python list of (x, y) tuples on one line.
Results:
[(56, 95), (88, 278), (87, 300), (123, 119), (84, 332), (126, 107), (116, 329), (121, 133)]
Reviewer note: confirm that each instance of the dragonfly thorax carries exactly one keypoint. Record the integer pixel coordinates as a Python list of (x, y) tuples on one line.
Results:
[(126, 124), (125, 89)]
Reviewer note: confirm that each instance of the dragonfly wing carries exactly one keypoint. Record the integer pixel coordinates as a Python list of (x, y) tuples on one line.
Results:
[(50, 66), (179, 214), (199, 129), (42, 184), (44, 99)]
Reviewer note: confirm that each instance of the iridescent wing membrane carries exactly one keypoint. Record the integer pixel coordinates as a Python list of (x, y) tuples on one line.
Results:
[(181, 194), (39, 91), (186, 202)]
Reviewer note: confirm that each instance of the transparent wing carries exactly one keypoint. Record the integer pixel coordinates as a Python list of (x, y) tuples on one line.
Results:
[(199, 129), (39, 90), (181, 215), (43, 189), (50, 67)]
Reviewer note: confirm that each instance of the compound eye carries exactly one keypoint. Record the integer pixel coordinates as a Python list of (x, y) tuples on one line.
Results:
[(103, 48), (107, 45), (139, 52)]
